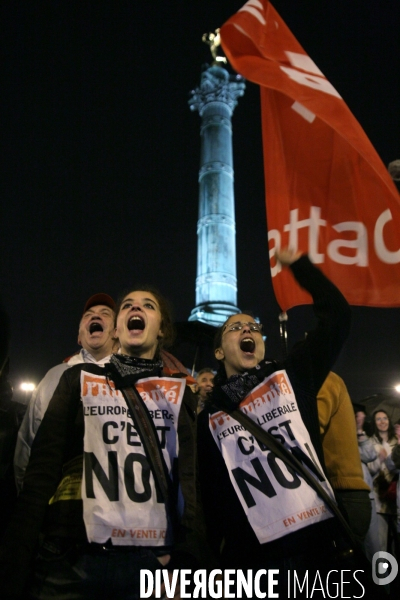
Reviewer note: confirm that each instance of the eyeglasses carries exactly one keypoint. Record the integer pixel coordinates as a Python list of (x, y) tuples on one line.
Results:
[(238, 326)]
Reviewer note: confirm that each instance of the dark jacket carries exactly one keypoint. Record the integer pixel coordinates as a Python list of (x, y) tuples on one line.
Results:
[(59, 443), (307, 367)]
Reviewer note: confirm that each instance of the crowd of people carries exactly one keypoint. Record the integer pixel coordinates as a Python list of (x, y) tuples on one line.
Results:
[(124, 462), (380, 454)]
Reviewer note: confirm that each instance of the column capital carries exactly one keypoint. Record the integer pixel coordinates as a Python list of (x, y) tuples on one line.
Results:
[(217, 85)]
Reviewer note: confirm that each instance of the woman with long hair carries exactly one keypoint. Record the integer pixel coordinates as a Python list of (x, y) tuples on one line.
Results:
[(383, 428), (384, 481), (111, 484)]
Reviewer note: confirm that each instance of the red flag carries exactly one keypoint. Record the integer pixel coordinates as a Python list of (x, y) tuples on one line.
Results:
[(327, 191)]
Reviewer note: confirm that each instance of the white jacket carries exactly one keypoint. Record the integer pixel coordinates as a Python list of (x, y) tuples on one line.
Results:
[(368, 454), (37, 407), (393, 464)]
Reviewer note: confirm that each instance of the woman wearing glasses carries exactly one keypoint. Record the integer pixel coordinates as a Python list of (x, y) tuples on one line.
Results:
[(267, 516)]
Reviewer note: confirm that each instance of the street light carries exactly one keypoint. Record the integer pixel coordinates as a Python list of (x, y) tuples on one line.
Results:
[(26, 386), (397, 388)]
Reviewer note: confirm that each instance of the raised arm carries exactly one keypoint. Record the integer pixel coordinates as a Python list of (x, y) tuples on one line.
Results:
[(323, 344)]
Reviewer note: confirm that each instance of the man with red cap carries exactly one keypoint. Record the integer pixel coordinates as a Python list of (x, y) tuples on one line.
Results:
[(96, 329)]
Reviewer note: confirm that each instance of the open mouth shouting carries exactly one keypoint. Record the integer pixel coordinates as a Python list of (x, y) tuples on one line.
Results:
[(247, 345), (135, 323), (95, 326)]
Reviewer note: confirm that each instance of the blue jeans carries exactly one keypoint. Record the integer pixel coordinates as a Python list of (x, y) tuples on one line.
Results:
[(90, 573)]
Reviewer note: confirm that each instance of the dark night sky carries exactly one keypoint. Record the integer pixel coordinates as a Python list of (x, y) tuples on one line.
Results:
[(101, 154)]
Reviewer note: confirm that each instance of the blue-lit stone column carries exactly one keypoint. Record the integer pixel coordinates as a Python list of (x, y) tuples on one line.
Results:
[(216, 283)]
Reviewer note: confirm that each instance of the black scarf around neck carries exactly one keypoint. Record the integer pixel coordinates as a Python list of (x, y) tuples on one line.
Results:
[(126, 370), (229, 392)]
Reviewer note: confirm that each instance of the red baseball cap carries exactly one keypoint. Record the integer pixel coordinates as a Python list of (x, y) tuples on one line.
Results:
[(97, 299)]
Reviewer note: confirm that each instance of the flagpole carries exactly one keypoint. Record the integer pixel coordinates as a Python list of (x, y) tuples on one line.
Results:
[(283, 319)]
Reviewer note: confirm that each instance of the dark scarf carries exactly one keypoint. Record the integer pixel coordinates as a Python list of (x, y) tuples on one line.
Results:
[(229, 392), (126, 370)]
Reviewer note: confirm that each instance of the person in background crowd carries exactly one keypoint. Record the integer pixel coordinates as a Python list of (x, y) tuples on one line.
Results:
[(368, 454), (11, 414), (384, 440), (95, 335), (393, 464), (205, 384), (342, 459), (90, 487), (250, 498)]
